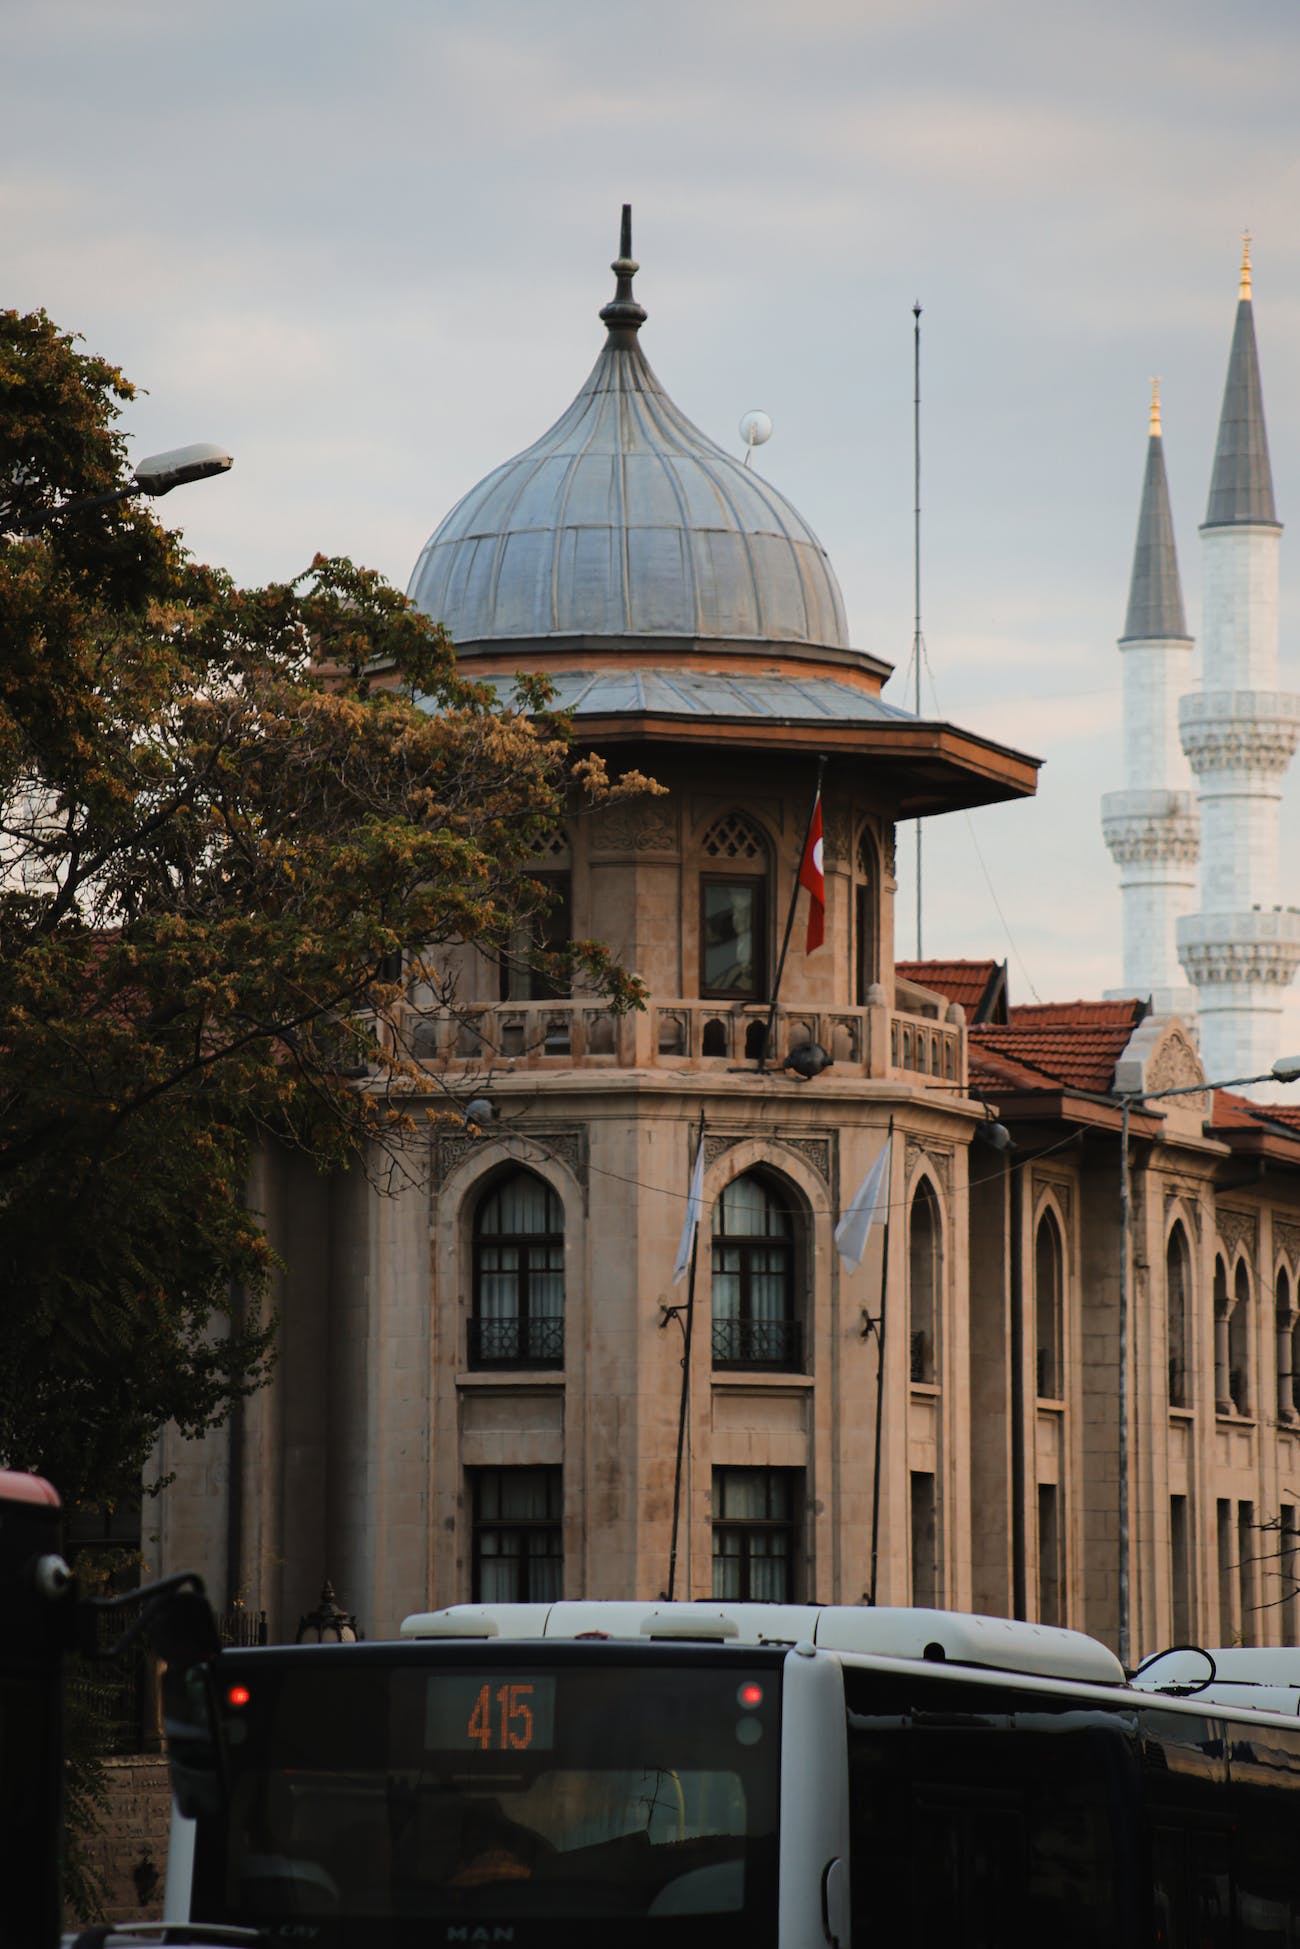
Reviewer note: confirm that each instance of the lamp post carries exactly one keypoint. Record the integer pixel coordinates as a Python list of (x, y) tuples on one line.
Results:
[(1285, 1070)]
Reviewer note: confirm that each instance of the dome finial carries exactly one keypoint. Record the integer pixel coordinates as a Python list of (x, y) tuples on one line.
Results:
[(1153, 423), (1243, 289), (623, 314)]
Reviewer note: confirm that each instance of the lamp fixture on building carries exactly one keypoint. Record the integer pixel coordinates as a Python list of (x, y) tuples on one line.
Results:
[(327, 1624), (808, 1059)]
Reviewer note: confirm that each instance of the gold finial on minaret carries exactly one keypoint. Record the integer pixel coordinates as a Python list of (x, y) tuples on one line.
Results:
[(1243, 289), (1153, 424)]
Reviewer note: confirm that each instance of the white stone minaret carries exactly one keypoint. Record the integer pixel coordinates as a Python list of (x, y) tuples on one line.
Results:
[(1239, 732), (1150, 826)]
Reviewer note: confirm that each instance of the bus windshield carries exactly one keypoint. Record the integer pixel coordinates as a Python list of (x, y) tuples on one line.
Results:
[(494, 1785)]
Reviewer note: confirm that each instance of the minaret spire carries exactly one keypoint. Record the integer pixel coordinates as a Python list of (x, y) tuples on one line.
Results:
[(1150, 826), (1241, 487), (1155, 597)]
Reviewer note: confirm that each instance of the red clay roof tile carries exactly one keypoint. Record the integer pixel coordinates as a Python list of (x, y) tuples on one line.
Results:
[(1076, 1045)]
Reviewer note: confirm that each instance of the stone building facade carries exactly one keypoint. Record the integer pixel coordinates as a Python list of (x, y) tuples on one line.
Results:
[(481, 1367)]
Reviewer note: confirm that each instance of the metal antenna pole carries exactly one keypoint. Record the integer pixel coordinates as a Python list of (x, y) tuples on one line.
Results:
[(916, 569)]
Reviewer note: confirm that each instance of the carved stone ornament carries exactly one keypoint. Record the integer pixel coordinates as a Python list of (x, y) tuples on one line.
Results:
[(1182, 1205), (835, 836), (517, 1144), (938, 1159), (1174, 1065), (1062, 1191), (1237, 1228), (1286, 1240), (818, 1152), (891, 853), (641, 826)]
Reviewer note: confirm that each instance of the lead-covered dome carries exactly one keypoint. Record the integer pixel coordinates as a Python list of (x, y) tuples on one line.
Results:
[(624, 520)]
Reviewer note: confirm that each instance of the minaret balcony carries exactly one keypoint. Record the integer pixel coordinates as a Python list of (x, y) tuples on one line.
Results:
[(1150, 827), (1259, 948), (1239, 730), (675, 1035)]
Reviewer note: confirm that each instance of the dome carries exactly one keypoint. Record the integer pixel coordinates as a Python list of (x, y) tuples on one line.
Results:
[(624, 520)]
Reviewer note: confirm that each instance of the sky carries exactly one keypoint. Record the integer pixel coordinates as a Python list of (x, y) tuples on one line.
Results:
[(363, 247)]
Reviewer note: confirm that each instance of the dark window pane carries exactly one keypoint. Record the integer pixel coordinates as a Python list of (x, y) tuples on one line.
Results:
[(731, 937)]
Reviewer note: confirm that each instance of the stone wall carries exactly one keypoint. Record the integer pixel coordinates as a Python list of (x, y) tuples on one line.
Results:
[(130, 1849)]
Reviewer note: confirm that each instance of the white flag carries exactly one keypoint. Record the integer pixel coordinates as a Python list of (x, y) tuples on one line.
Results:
[(694, 1206), (870, 1202)]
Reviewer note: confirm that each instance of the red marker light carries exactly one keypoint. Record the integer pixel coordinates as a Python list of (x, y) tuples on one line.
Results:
[(238, 1695), (750, 1695)]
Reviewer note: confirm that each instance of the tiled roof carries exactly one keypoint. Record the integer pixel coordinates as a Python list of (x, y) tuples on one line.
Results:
[(1074, 1045), (989, 1071), (1233, 1112), (965, 982)]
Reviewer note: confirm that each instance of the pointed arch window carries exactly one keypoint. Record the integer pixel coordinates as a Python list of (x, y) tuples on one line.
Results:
[(924, 1283), (518, 1315), (1049, 1308), (734, 909), (546, 931), (1178, 1276), (755, 1316), (1239, 1388), (866, 917), (1286, 1337), (1222, 1392)]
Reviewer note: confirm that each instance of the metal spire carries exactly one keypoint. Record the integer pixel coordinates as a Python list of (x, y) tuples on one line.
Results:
[(1241, 487), (623, 315), (1155, 596)]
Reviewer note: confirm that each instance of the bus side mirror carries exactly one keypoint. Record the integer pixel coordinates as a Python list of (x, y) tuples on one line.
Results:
[(193, 1746)]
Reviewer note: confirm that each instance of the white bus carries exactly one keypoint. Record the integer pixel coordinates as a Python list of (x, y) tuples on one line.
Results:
[(773, 1777)]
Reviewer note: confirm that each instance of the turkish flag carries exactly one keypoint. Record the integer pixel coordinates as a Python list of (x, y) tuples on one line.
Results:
[(812, 877)]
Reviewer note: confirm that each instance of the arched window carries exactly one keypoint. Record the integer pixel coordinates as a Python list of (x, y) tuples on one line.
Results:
[(1049, 1282), (1178, 1271), (518, 1318), (1286, 1324), (547, 930), (924, 1282), (755, 1323), (1239, 1342), (734, 910), (866, 910), (1222, 1388)]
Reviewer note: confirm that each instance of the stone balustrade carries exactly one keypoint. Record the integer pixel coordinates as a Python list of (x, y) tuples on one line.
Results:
[(874, 1041)]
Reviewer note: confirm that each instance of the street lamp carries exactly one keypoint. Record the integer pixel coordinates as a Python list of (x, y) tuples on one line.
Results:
[(157, 474), (328, 1623), (1285, 1070)]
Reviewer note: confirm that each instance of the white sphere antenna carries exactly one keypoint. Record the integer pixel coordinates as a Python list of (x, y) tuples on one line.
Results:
[(755, 429)]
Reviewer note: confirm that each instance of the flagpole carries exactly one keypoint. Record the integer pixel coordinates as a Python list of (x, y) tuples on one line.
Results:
[(686, 1392), (789, 922), (880, 1375)]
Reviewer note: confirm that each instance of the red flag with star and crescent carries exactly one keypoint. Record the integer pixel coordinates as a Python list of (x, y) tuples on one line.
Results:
[(812, 877)]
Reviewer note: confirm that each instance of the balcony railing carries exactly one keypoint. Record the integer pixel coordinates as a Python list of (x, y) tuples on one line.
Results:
[(758, 1343), (516, 1343), (689, 1034)]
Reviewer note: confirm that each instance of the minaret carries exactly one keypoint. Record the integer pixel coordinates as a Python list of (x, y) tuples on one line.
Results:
[(1150, 827), (1239, 732)]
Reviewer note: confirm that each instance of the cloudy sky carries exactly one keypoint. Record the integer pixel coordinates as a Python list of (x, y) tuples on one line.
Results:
[(363, 246)]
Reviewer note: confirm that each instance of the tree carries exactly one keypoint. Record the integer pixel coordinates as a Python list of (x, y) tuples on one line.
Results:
[(225, 815)]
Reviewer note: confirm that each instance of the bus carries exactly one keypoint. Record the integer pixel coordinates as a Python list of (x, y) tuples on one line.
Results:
[(670, 1776)]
